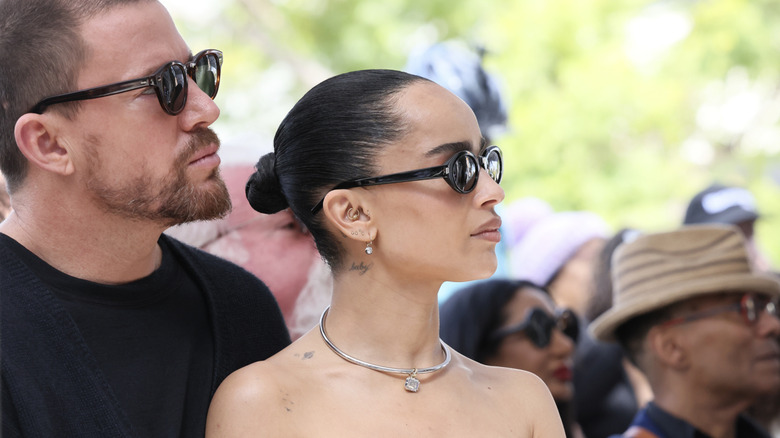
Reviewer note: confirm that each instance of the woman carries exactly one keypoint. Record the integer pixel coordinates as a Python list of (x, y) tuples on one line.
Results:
[(515, 324), (375, 365)]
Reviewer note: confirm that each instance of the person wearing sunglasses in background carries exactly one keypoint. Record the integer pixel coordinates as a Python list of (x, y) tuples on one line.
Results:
[(110, 328), (701, 322), (515, 324), (390, 174)]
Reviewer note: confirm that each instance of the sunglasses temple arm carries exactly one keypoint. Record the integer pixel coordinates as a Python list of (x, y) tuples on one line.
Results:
[(92, 93)]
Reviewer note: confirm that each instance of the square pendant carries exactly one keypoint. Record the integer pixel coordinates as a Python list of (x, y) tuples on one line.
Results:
[(412, 384)]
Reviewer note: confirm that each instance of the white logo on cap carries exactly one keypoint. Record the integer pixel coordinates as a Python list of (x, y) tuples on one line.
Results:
[(717, 202)]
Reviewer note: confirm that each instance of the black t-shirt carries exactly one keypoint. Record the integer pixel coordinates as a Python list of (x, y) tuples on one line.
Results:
[(152, 339)]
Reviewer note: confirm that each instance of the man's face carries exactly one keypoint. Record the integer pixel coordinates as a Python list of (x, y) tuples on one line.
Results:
[(726, 354), (135, 160)]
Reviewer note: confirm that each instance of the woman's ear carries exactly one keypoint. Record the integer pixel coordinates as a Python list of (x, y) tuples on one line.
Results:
[(37, 139), (346, 212)]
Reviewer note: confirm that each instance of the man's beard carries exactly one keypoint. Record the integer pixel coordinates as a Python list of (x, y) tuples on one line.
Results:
[(171, 201)]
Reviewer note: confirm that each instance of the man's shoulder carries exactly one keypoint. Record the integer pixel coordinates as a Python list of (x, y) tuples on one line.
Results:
[(247, 317), (224, 282)]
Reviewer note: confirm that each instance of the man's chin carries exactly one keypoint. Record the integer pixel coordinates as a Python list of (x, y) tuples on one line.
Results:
[(202, 205)]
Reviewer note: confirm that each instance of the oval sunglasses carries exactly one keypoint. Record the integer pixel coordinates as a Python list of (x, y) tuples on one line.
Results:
[(461, 172), (169, 82), (538, 327)]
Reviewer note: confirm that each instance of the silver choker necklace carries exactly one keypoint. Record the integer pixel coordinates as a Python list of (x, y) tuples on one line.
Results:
[(412, 384)]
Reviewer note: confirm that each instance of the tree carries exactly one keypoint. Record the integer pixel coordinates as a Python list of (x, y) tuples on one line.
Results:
[(622, 107)]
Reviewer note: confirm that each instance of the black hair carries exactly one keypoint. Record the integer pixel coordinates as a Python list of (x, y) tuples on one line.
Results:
[(632, 333), (332, 134)]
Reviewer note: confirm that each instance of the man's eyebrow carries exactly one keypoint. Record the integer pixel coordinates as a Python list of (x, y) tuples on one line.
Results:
[(151, 70), (450, 148)]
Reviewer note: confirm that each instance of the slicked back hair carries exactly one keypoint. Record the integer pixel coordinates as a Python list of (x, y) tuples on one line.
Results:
[(333, 134)]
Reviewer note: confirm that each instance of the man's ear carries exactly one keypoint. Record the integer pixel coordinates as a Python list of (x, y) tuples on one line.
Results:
[(37, 139), (668, 347), (346, 211)]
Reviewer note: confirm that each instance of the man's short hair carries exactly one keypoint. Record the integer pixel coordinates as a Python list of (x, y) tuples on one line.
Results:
[(43, 52)]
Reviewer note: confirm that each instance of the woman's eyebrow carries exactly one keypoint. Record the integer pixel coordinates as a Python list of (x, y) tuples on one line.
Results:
[(450, 148)]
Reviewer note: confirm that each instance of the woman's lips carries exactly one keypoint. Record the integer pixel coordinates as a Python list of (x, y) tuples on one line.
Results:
[(490, 230), (563, 373)]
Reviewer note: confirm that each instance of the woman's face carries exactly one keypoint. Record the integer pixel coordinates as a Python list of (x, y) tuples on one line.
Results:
[(426, 231), (553, 363)]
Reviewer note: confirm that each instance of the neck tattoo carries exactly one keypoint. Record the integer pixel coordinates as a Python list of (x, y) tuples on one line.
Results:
[(412, 384)]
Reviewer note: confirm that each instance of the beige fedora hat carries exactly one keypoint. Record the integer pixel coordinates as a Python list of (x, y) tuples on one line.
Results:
[(656, 270)]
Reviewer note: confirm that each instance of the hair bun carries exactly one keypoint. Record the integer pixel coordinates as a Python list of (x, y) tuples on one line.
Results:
[(263, 190)]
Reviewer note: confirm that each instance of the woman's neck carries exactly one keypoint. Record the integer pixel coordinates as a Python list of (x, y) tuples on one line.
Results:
[(384, 323)]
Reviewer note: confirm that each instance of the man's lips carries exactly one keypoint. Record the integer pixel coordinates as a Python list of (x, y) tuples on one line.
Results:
[(204, 154)]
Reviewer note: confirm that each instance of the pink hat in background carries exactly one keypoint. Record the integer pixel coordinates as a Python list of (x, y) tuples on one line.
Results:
[(550, 242), (519, 216)]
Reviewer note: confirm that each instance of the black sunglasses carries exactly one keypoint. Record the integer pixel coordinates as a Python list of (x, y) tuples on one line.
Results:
[(749, 307), (538, 327), (461, 172), (169, 82)]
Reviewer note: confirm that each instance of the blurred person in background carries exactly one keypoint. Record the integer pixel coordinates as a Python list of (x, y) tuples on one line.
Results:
[(276, 248), (459, 68), (515, 324), (701, 323), (559, 252), (734, 205), (723, 204), (610, 390)]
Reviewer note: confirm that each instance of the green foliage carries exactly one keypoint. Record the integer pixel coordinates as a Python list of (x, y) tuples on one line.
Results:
[(622, 107)]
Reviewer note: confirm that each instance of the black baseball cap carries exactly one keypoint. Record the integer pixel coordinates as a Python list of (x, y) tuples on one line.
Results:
[(721, 204)]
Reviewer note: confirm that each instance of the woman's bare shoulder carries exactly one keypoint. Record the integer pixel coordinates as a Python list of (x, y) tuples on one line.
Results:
[(501, 376), (534, 397), (246, 399), (520, 393), (255, 395)]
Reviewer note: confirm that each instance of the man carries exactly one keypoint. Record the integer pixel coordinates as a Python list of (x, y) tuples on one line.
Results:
[(702, 325), (721, 204), (110, 328), (275, 247)]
